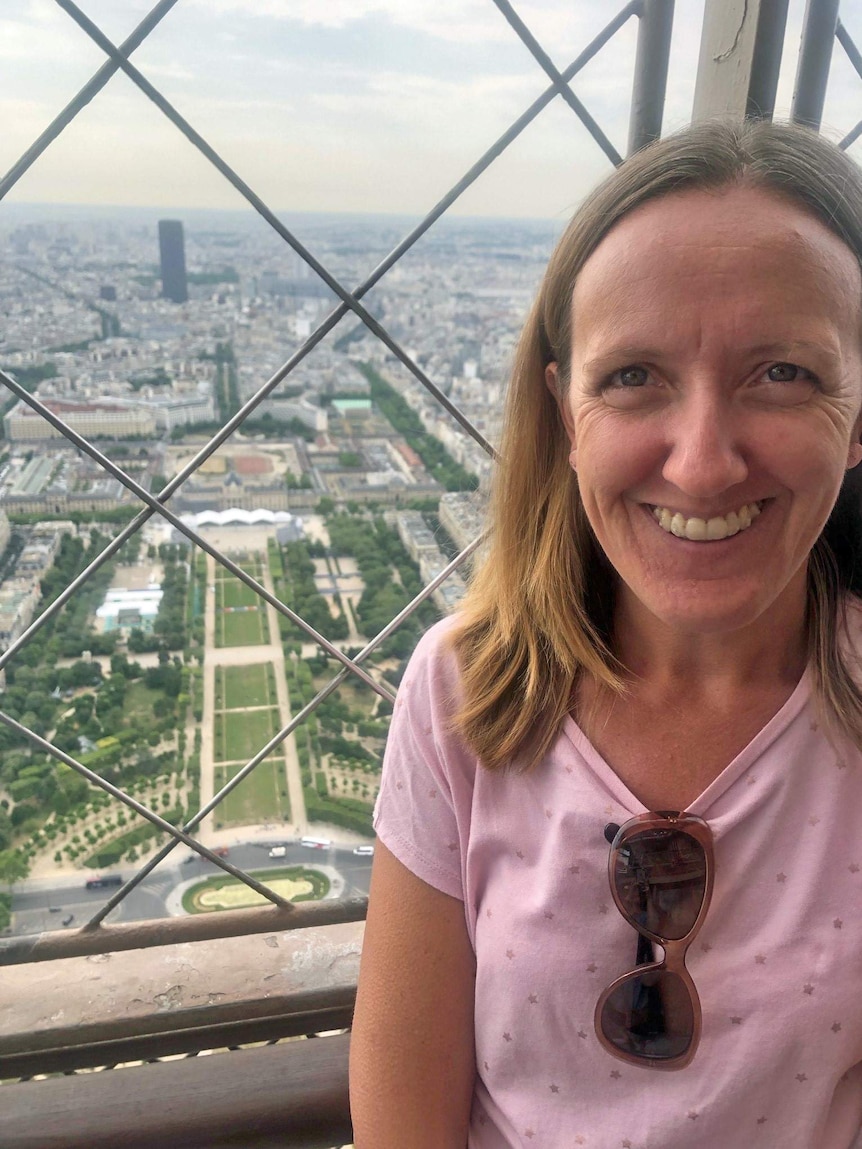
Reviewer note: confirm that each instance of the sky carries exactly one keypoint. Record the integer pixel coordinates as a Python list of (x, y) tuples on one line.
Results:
[(343, 105)]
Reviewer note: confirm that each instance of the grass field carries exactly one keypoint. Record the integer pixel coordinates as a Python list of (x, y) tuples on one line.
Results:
[(240, 686), (138, 700), (242, 628), (240, 734), (236, 593), (259, 798), (295, 883)]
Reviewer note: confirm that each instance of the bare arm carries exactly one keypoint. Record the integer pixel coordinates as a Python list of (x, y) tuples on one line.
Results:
[(412, 1059)]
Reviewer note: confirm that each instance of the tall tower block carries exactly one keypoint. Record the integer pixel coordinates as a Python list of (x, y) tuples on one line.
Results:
[(173, 252)]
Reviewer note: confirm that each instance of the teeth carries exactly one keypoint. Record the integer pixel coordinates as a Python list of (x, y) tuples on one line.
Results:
[(703, 530)]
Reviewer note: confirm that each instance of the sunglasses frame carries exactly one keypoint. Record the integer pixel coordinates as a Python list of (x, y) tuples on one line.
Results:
[(674, 948)]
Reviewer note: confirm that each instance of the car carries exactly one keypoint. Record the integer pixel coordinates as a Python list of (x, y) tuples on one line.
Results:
[(221, 852), (190, 858), (68, 921), (103, 883), (277, 852), (364, 851)]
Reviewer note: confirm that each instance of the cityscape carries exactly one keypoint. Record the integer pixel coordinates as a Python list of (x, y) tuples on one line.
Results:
[(343, 493)]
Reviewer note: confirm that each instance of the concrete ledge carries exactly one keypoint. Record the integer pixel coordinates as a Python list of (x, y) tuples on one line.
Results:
[(106, 1008)]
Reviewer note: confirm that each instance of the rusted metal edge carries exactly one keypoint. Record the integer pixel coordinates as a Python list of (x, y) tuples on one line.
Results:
[(290, 1009), (51, 946)]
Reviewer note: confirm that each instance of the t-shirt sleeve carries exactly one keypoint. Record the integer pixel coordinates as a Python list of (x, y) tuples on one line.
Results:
[(423, 808)]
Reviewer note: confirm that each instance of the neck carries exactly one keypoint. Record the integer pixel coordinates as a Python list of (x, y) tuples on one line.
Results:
[(771, 650)]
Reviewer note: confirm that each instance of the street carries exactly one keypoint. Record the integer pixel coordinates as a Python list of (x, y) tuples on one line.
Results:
[(49, 905)]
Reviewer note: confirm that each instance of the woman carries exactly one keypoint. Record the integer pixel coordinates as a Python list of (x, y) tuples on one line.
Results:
[(665, 621)]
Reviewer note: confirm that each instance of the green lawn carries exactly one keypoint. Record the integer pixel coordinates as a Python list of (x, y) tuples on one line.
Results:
[(138, 701), (236, 593), (259, 798), (240, 734), (225, 892), (243, 628), (247, 686)]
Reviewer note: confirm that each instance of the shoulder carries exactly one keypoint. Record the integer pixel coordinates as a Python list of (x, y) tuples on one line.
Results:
[(432, 677)]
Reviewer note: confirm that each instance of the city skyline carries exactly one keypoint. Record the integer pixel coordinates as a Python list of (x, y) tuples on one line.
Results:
[(373, 106)]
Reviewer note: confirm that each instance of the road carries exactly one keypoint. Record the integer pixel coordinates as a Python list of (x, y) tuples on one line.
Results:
[(46, 904)]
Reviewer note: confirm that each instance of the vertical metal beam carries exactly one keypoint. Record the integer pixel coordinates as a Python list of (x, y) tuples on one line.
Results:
[(815, 56), (766, 62), (727, 54), (650, 80)]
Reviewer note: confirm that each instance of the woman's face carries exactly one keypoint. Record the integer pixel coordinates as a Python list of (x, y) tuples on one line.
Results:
[(716, 386)]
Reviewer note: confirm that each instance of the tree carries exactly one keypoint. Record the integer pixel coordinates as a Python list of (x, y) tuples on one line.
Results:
[(14, 867)]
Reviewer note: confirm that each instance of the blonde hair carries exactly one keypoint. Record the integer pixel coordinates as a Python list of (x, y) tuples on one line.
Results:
[(539, 611)]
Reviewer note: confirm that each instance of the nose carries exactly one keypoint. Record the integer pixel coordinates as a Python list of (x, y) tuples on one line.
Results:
[(705, 455)]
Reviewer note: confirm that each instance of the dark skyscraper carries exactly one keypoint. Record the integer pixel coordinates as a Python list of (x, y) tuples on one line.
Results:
[(173, 253)]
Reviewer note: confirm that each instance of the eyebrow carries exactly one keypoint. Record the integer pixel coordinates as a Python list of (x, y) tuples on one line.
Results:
[(778, 349)]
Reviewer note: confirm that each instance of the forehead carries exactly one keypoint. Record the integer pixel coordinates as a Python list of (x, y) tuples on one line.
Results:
[(677, 254)]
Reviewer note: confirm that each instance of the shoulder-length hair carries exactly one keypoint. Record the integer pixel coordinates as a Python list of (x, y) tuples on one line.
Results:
[(539, 612)]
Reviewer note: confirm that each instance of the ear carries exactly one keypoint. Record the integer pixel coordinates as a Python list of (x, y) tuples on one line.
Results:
[(552, 382)]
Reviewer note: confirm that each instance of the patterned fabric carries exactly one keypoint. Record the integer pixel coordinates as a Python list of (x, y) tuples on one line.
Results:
[(777, 965)]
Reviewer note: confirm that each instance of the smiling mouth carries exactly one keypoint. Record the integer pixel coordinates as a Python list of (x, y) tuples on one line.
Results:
[(707, 530)]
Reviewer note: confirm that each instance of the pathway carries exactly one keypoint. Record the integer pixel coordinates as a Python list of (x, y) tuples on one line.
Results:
[(292, 769)]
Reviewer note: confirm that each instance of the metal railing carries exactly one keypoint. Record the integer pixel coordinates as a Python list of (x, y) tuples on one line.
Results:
[(301, 1082), (655, 19)]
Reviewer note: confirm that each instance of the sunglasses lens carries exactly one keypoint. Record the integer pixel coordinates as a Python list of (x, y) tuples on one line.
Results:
[(649, 1015), (660, 879)]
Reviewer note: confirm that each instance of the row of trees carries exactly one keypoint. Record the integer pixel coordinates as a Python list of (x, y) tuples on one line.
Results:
[(438, 462)]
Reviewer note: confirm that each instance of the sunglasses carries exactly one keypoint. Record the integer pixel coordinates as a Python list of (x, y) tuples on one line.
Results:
[(661, 869)]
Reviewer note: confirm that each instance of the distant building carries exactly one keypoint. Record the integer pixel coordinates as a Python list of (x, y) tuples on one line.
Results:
[(172, 249), (115, 420)]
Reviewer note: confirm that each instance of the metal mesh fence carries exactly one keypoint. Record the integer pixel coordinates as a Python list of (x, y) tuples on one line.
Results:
[(652, 15)]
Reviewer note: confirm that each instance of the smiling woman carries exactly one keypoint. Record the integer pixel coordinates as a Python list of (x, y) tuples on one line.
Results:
[(660, 652)]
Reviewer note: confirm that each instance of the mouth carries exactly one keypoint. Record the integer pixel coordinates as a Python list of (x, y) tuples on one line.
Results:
[(707, 530)]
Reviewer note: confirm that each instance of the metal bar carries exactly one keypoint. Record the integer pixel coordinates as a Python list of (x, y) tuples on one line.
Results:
[(851, 137), (155, 504), (85, 942), (272, 219), (293, 1094), (86, 94), (726, 58), (846, 41), (540, 55), (145, 812), (335, 1011), (766, 62), (815, 56), (651, 65)]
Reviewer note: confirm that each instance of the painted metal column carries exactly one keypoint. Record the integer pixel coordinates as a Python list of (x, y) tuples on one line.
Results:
[(650, 80), (815, 56), (740, 55)]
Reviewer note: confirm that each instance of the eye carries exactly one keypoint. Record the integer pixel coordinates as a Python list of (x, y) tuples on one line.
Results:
[(630, 377), (784, 373), (785, 384)]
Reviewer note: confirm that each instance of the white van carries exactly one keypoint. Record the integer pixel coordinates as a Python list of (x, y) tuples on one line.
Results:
[(277, 852)]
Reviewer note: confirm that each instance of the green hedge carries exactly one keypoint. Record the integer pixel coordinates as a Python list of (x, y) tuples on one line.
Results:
[(110, 854), (348, 813)]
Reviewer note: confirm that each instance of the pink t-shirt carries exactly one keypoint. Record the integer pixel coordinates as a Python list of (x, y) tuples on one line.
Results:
[(777, 965)]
